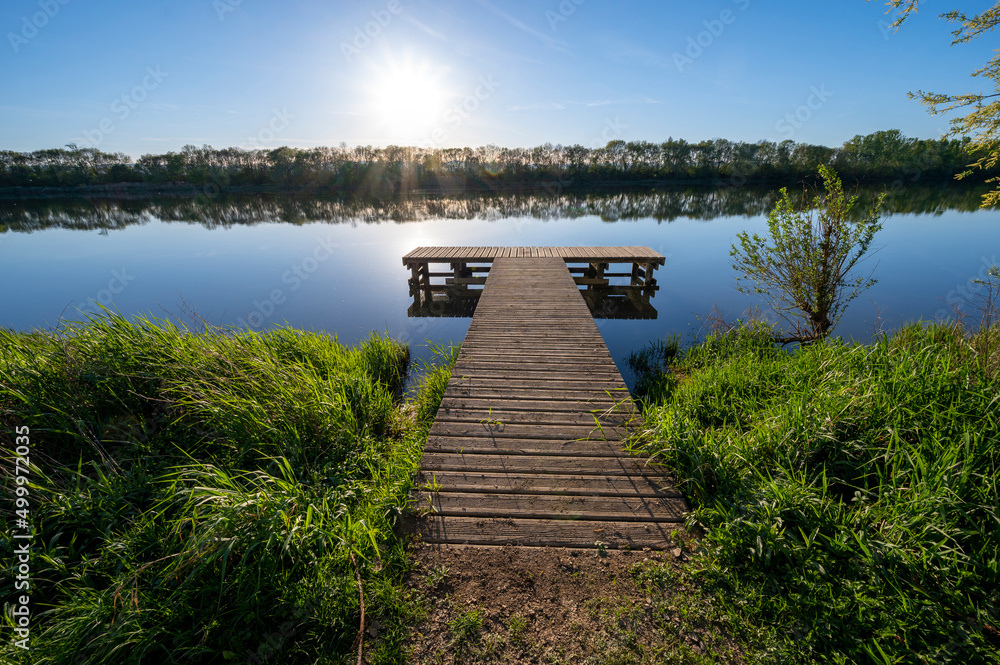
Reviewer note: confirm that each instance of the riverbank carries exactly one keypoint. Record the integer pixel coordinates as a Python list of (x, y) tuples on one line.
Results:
[(848, 493), (207, 498), (219, 497), (541, 184)]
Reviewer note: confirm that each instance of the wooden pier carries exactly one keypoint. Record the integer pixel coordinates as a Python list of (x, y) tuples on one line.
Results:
[(527, 446), (448, 281)]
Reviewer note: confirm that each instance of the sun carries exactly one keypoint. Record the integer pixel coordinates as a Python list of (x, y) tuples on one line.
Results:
[(407, 101)]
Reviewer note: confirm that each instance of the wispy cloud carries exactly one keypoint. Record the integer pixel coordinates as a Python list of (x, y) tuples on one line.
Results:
[(613, 102), (194, 140), (631, 55), (560, 106), (424, 28), (538, 106), (542, 37)]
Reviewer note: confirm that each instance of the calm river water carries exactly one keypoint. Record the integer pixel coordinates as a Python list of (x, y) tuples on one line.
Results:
[(335, 266)]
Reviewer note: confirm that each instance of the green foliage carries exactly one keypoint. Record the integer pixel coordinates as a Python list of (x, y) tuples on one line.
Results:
[(803, 269), (208, 170), (465, 627), (849, 493), (982, 123), (434, 381), (198, 497)]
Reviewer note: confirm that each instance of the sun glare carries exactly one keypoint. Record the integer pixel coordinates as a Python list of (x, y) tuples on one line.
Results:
[(408, 101)]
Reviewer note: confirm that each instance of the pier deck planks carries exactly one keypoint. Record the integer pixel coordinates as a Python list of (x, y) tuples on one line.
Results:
[(526, 448), (631, 254)]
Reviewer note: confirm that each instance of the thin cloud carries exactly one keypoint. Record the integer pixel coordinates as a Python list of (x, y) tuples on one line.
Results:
[(539, 106), (559, 106), (423, 27), (545, 39), (636, 56), (624, 102)]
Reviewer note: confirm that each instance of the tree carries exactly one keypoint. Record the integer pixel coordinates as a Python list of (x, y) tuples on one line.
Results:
[(982, 122), (803, 269)]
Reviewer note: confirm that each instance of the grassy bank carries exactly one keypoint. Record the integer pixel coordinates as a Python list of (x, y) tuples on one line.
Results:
[(216, 498), (209, 498), (849, 494)]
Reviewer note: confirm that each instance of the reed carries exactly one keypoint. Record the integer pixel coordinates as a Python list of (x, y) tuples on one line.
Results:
[(209, 496), (849, 494)]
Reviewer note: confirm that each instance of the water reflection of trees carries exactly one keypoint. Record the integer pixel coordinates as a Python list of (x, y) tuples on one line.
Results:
[(663, 205)]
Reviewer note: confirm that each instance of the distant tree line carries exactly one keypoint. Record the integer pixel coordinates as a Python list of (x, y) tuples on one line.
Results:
[(884, 155), (661, 203)]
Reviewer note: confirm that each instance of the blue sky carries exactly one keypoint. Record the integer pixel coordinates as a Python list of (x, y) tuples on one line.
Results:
[(149, 77)]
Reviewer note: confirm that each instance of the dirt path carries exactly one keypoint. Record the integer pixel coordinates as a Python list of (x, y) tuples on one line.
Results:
[(555, 605)]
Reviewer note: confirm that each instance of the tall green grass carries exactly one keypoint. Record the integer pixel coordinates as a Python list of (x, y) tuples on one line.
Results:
[(433, 381), (849, 494), (208, 498)]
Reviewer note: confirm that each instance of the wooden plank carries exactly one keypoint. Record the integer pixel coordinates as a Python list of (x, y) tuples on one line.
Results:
[(547, 393), (554, 356), (603, 407), (583, 350), (538, 390), (501, 414), (548, 533), (478, 445), (467, 406), (499, 337), (488, 463), (562, 432), (542, 484), (526, 506), (561, 373), (568, 381), (588, 431), (485, 340), (575, 368), (522, 447)]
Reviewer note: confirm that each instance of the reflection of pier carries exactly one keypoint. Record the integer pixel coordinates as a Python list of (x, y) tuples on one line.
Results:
[(527, 447), (448, 281)]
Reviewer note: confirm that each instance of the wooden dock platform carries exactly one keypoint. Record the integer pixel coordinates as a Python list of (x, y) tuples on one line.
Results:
[(447, 281), (527, 446)]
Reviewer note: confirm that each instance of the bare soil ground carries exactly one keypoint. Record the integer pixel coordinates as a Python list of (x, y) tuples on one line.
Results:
[(555, 605)]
